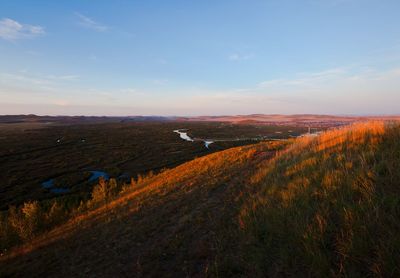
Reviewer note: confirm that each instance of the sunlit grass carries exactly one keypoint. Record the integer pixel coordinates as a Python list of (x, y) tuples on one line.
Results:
[(328, 206)]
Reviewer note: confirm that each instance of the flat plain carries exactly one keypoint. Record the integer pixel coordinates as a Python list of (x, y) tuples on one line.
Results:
[(67, 150)]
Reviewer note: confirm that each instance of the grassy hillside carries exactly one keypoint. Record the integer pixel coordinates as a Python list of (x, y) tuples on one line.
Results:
[(323, 206), (328, 206)]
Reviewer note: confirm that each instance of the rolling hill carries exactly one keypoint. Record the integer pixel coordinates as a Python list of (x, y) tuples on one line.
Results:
[(315, 206), (313, 120)]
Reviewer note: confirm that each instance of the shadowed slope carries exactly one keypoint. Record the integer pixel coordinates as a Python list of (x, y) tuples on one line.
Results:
[(173, 225)]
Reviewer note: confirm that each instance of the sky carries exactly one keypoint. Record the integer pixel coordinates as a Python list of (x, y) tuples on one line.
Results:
[(208, 57)]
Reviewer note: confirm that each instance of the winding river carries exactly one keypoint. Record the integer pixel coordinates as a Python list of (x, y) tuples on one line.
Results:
[(186, 137), (49, 184), (207, 142)]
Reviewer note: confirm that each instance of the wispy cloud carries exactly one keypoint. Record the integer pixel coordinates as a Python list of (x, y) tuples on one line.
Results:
[(351, 78), (71, 77), (128, 91), (306, 80), (93, 57), (61, 90), (61, 102), (90, 23), (160, 81), (24, 78), (13, 30), (240, 57), (162, 61), (332, 3), (343, 90)]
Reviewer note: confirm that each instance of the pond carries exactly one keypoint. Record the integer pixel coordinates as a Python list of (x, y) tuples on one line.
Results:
[(49, 184), (97, 174)]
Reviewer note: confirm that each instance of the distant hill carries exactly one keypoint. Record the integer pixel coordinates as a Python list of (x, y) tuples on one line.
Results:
[(293, 120), (146, 119), (11, 119), (315, 206)]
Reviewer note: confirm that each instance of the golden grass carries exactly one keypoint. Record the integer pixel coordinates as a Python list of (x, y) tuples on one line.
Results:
[(324, 205)]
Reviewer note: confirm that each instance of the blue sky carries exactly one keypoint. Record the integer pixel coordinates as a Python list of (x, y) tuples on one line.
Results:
[(151, 57)]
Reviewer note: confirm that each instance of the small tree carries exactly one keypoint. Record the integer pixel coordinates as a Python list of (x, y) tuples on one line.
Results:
[(99, 193), (27, 220), (112, 188), (104, 191), (33, 218)]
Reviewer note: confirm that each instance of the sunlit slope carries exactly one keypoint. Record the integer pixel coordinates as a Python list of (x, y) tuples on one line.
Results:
[(317, 206), (328, 206)]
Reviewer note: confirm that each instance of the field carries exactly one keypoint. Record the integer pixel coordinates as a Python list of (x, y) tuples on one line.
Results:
[(65, 151)]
